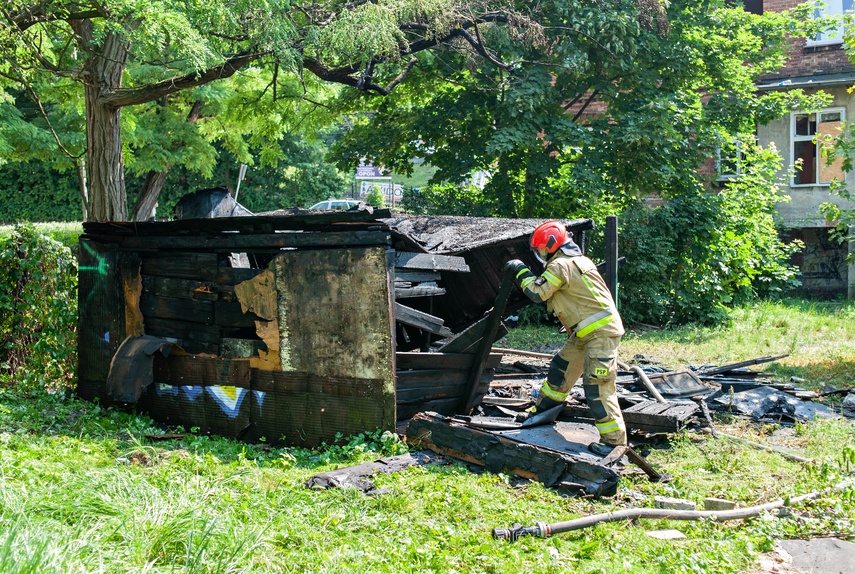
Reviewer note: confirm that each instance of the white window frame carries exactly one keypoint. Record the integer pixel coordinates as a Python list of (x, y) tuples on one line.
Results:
[(738, 159), (794, 139), (830, 8)]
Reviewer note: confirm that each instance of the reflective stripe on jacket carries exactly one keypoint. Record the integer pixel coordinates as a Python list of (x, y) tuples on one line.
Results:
[(576, 293)]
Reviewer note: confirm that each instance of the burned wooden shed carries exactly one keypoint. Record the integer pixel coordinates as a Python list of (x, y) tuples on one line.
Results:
[(293, 326)]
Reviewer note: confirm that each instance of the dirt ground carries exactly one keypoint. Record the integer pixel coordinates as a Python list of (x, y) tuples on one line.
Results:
[(818, 556)]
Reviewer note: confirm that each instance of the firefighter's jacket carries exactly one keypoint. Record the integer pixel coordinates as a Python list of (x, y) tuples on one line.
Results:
[(575, 292)]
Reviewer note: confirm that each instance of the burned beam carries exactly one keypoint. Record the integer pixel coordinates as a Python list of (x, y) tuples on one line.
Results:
[(423, 321), (500, 453), (430, 262), (419, 291), (733, 366)]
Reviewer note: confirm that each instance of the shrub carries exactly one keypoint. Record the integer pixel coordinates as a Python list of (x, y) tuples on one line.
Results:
[(38, 310), (699, 255), (375, 197)]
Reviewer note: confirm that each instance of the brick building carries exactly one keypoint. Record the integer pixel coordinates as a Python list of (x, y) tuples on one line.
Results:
[(814, 64)]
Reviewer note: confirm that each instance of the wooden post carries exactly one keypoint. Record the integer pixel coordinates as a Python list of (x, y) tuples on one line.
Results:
[(612, 256)]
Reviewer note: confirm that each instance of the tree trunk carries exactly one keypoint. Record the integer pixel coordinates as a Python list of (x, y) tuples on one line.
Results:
[(105, 165), (147, 201)]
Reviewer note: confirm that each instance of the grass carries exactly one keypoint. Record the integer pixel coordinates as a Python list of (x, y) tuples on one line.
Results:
[(818, 337), (66, 233), (83, 490)]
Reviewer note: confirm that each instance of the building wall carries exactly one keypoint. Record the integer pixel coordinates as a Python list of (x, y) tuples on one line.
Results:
[(804, 60), (803, 208), (824, 269)]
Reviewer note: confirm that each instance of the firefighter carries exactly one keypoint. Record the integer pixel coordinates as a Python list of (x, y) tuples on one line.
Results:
[(575, 292)]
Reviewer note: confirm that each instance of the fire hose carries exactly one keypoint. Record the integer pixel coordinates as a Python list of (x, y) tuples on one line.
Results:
[(544, 530)]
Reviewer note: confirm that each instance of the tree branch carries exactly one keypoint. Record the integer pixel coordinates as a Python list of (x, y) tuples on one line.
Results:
[(578, 115), (143, 94), (38, 102), (36, 15)]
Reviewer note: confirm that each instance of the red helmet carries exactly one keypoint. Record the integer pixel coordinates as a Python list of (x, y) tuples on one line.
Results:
[(549, 236)]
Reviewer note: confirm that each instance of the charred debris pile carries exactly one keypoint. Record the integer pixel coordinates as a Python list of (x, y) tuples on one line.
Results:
[(297, 326)]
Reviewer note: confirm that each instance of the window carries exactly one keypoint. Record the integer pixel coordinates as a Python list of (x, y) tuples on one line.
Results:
[(805, 130), (753, 6), (830, 8), (730, 158)]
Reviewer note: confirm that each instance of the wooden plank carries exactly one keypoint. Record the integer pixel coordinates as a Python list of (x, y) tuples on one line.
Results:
[(101, 309), (441, 360), (187, 310), (182, 330), (406, 360), (228, 314), (416, 276), (661, 418), (193, 370), (430, 262), (197, 266), (420, 395), (256, 224), (131, 288), (304, 410), (419, 291), (228, 243), (228, 277), (427, 378), (466, 340), (220, 410), (499, 453), (423, 321), (725, 368), (482, 353), (295, 382), (183, 288)]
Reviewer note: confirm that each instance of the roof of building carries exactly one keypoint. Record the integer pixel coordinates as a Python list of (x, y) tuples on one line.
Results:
[(817, 80)]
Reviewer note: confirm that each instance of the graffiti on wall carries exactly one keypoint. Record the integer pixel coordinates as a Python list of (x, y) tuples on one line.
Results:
[(824, 265), (228, 398)]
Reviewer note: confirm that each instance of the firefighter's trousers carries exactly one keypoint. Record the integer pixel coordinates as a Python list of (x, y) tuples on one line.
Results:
[(594, 358)]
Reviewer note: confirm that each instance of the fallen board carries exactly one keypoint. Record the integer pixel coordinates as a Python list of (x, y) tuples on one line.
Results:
[(498, 453), (647, 416)]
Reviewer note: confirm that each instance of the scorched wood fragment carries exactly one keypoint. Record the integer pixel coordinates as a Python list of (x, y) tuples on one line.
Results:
[(498, 453)]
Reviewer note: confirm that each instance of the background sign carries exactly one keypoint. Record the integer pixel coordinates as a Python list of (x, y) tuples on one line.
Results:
[(369, 172), (366, 187)]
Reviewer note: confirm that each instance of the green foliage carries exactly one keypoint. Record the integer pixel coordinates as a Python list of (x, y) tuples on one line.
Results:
[(375, 197), (599, 110), (66, 233), (38, 300), (699, 255), (34, 191), (347, 449), (447, 199)]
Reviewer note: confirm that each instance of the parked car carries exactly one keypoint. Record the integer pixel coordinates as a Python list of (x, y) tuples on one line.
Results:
[(336, 204)]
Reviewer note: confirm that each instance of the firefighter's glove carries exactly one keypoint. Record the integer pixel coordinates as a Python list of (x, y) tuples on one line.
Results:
[(521, 272)]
